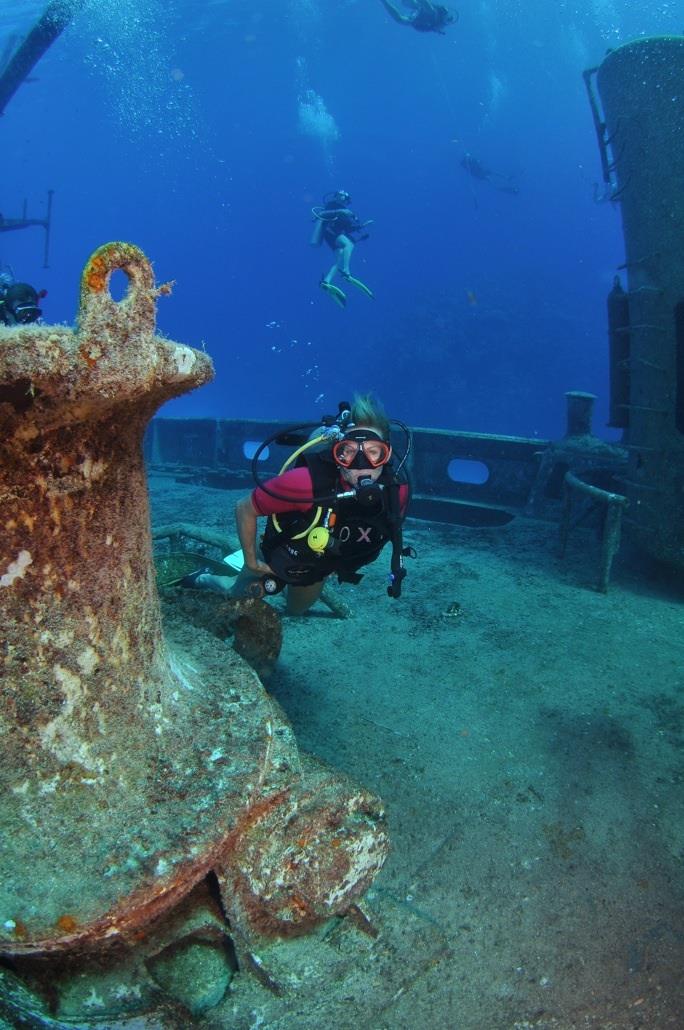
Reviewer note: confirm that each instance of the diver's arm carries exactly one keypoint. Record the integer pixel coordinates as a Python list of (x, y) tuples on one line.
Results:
[(246, 519), (403, 19)]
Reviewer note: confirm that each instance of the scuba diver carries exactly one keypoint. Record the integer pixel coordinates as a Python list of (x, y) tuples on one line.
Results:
[(332, 512), (337, 224), (18, 301), (477, 170), (424, 16)]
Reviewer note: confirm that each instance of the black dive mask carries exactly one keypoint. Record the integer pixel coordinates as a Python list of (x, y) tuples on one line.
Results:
[(360, 461), (361, 449)]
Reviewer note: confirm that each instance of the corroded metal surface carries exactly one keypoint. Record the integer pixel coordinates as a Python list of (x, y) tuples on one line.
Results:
[(131, 765), (253, 626), (292, 868), (640, 89), (153, 976), (91, 706)]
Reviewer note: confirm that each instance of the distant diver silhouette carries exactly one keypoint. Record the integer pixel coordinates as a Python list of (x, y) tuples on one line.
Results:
[(423, 16), (476, 169)]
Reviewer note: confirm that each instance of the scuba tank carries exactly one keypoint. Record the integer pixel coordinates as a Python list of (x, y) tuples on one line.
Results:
[(317, 232)]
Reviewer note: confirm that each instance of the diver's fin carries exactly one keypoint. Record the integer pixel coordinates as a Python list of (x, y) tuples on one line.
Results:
[(191, 581), (335, 292), (359, 285), (235, 562)]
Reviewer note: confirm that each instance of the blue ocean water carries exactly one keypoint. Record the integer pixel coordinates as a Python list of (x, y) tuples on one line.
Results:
[(205, 132)]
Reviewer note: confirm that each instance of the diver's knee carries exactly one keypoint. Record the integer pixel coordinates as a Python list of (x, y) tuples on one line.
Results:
[(300, 599)]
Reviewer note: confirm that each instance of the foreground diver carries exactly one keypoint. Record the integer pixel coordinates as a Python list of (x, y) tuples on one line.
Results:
[(333, 514), (18, 301), (337, 224), (424, 16)]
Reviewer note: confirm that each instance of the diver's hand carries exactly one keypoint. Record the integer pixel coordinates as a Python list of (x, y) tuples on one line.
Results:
[(259, 568)]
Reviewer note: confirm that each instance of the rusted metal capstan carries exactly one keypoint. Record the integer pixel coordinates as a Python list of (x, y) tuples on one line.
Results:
[(132, 764)]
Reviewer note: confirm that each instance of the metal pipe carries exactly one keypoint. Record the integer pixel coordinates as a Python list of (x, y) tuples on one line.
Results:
[(54, 19)]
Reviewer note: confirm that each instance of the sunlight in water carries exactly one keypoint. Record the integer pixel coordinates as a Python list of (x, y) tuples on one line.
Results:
[(314, 118)]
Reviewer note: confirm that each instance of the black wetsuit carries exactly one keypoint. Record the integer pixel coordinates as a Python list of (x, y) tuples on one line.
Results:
[(344, 223), (430, 18), (360, 531), (18, 304)]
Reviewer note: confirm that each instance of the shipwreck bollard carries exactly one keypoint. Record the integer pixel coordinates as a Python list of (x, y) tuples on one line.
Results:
[(85, 671), (580, 410), (131, 764)]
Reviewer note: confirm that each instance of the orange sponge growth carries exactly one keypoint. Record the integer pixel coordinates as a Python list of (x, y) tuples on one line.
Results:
[(67, 924), (95, 274), (106, 259)]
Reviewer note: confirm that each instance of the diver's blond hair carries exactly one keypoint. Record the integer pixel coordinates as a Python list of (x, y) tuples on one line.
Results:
[(368, 411)]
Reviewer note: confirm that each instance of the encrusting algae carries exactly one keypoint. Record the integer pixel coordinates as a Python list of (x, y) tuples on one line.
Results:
[(134, 763)]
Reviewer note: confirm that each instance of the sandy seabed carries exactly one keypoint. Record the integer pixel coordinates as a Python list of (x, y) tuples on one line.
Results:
[(526, 734)]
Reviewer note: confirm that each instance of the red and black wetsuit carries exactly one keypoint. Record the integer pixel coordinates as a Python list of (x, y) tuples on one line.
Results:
[(358, 534)]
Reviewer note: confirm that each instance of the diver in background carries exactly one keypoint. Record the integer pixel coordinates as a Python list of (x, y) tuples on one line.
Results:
[(337, 224), (477, 170), (18, 301), (424, 16)]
